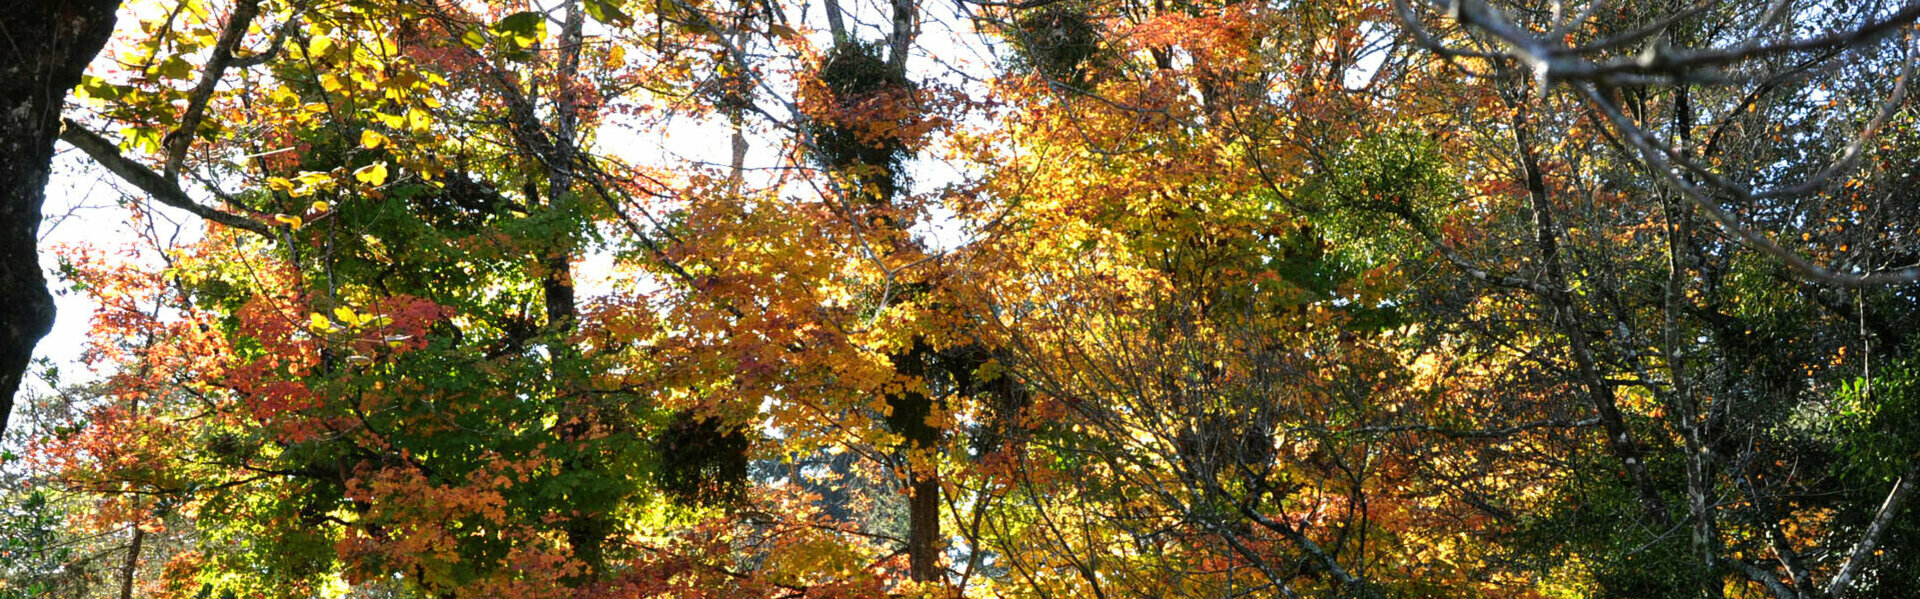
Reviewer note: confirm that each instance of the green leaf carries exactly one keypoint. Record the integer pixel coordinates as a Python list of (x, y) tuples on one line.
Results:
[(522, 30), (606, 11), (95, 88), (474, 39), (143, 139), (174, 67)]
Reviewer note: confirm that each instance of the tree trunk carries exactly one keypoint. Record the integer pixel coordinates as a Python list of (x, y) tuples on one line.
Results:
[(923, 528), (910, 410), (49, 43), (132, 565)]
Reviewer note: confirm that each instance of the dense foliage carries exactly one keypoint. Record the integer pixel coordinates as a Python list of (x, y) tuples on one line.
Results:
[(1055, 298)]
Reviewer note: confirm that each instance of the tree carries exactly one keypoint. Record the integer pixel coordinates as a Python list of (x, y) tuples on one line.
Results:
[(1707, 121), (51, 43), (1159, 298)]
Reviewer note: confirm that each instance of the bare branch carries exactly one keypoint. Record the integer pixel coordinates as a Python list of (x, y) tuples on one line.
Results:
[(1657, 162), (1756, 574), (1456, 433)]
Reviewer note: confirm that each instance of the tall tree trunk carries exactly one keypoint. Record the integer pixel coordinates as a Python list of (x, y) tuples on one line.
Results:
[(910, 410), (48, 44), (586, 529)]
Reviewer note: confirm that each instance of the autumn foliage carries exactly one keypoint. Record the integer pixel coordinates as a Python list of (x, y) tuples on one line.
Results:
[(1073, 298)]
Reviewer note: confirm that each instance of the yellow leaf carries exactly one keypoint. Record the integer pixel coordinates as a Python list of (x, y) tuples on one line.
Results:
[(320, 206), (418, 121), (290, 220), (372, 140), (346, 315), (321, 47), (319, 323), (310, 182), (372, 174), (280, 184)]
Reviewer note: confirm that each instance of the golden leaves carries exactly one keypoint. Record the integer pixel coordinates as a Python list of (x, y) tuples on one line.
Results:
[(373, 174), (373, 140)]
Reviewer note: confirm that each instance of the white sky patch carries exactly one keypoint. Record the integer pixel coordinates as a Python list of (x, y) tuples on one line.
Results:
[(1373, 55)]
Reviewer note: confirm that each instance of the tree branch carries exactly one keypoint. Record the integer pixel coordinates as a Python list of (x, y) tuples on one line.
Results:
[(1897, 498), (181, 138), (273, 47), (1656, 161), (160, 187)]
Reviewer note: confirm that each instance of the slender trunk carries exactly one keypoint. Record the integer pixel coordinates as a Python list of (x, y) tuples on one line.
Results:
[(1706, 535), (586, 530), (923, 538), (905, 17), (48, 45), (912, 408), (132, 565), (737, 99), (837, 22), (1599, 392)]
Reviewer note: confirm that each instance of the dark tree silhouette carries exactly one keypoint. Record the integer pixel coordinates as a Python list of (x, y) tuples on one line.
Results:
[(48, 44)]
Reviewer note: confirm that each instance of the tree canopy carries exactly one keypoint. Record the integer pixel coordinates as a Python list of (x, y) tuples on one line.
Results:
[(1049, 298)]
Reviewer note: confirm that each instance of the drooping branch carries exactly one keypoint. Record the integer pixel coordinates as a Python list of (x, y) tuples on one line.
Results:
[(1554, 59), (1319, 554), (162, 188), (1465, 264)]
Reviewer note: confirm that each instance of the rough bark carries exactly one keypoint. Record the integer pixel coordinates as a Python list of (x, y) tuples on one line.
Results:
[(49, 43)]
